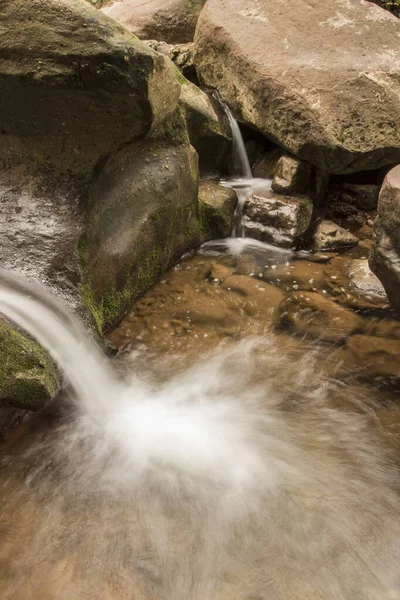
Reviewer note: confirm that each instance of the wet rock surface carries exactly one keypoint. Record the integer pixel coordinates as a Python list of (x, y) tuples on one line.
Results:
[(208, 129), (309, 313), (323, 84), (216, 207), (277, 219), (28, 376), (207, 300), (354, 285)]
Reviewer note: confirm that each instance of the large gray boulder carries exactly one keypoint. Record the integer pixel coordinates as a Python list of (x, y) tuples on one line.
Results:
[(322, 79), (172, 21), (385, 254)]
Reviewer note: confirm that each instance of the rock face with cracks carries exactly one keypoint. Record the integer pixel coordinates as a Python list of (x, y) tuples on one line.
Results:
[(322, 79)]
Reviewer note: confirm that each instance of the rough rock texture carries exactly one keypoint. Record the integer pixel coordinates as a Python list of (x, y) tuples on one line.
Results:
[(216, 210), (291, 176), (172, 21), (180, 54), (207, 125), (80, 93), (85, 87), (385, 254), (311, 314), (320, 78), (277, 219), (330, 236), (28, 377), (143, 217)]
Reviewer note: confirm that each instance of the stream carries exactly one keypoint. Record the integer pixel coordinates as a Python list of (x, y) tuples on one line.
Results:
[(238, 447)]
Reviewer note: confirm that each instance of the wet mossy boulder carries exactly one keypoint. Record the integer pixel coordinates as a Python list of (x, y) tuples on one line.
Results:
[(143, 218), (216, 210), (28, 376), (75, 87), (321, 79)]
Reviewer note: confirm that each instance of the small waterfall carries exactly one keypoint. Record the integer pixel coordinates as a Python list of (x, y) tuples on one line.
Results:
[(238, 144), (244, 185)]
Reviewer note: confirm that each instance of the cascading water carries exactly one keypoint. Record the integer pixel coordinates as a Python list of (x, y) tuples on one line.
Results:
[(237, 478), (245, 185)]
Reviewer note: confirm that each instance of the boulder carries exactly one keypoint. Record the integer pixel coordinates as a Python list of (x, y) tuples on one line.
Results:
[(85, 88), (28, 377), (292, 176), (207, 125), (277, 219), (331, 237), (385, 254), (172, 21), (312, 314), (216, 209), (84, 101), (143, 217), (319, 78)]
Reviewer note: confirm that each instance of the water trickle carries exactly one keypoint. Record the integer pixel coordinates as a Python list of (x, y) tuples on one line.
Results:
[(246, 184)]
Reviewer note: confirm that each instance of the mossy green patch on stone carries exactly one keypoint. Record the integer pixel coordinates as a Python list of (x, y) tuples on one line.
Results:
[(28, 376)]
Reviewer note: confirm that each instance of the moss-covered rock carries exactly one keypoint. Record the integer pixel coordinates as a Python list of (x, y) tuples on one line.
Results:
[(28, 377), (216, 210), (143, 216)]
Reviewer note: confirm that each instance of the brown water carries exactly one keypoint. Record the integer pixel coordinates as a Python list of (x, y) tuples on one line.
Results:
[(321, 519)]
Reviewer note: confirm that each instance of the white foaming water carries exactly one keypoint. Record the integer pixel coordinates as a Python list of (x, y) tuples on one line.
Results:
[(234, 479)]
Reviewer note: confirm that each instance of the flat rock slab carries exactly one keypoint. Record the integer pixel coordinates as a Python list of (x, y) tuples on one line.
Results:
[(320, 78)]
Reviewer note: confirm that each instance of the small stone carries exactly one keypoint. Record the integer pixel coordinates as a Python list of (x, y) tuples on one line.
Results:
[(330, 236)]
